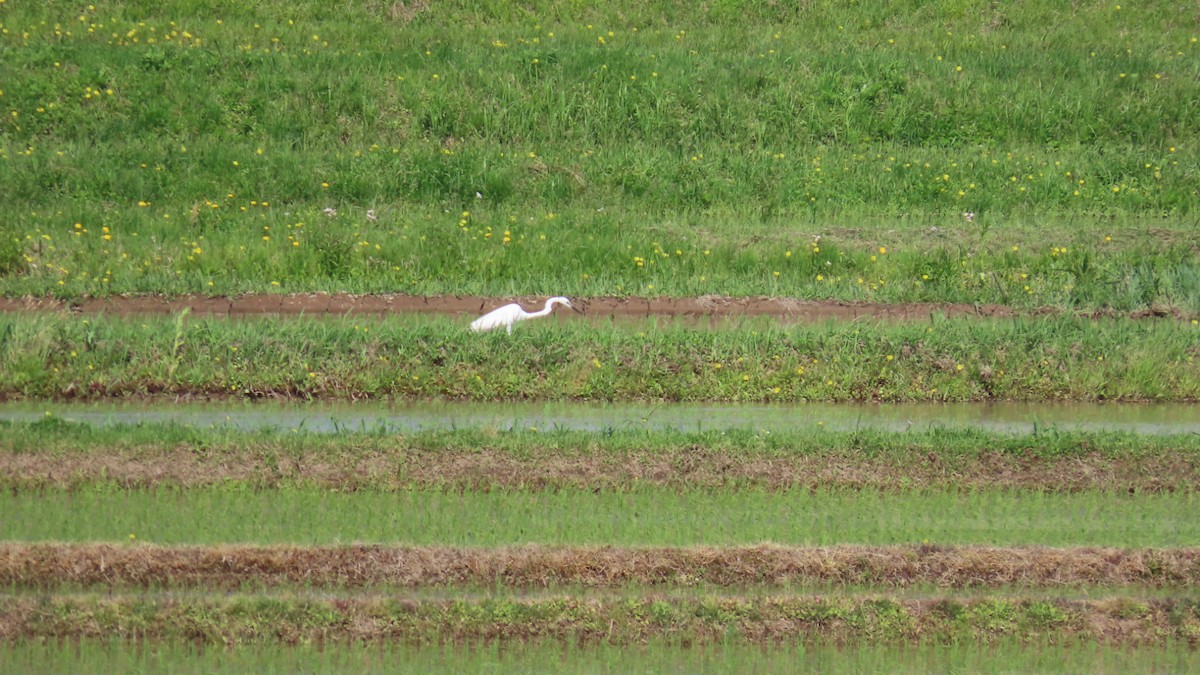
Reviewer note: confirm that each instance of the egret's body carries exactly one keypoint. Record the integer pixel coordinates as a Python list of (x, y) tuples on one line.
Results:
[(507, 315)]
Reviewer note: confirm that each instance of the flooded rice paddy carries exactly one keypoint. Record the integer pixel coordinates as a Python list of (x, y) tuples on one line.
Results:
[(1003, 417)]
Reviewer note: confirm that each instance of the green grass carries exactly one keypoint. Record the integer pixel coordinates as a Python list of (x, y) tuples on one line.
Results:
[(1071, 265), (704, 142), (571, 516), (1064, 358), (38, 657)]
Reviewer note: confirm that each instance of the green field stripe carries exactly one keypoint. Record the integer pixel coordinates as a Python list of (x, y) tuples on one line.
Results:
[(258, 619), (114, 566), (644, 517)]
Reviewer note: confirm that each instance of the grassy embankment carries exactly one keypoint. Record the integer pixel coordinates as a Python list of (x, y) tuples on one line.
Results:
[(254, 619), (536, 571), (1062, 358), (638, 149)]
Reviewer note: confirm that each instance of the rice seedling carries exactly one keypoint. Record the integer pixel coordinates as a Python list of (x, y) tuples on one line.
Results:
[(186, 658), (643, 516)]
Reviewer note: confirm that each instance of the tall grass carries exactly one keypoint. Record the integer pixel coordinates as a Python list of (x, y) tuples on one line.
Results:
[(1123, 266), (176, 135), (570, 516), (423, 357)]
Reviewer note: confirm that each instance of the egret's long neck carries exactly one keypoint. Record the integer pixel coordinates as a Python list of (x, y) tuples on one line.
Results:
[(545, 310)]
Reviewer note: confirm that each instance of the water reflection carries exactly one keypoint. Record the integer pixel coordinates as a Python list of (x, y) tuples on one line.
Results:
[(329, 417)]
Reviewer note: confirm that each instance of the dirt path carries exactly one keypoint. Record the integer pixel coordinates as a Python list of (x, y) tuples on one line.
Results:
[(338, 304), (708, 306)]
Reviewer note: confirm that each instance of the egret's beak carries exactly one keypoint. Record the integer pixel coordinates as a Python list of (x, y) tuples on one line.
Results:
[(577, 310)]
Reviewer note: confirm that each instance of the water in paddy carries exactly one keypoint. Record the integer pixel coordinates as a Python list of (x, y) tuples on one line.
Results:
[(1169, 418)]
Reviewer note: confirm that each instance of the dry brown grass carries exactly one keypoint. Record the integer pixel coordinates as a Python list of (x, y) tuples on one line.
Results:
[(380, 467), (50, 566), (763, 620)]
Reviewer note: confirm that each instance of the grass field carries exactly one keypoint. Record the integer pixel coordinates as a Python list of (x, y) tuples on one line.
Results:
[(645, 149), (1059, 358), (1037, 158)]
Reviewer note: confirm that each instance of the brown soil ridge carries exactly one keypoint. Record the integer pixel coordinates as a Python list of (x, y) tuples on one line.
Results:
[(708, 306), (706, 620), (46, 566), (693, 467)]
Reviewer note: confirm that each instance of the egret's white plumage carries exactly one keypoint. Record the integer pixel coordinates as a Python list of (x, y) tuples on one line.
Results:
[(507, 315)]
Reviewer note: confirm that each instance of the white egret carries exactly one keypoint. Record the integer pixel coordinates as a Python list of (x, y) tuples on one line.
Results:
[(507, 315)]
